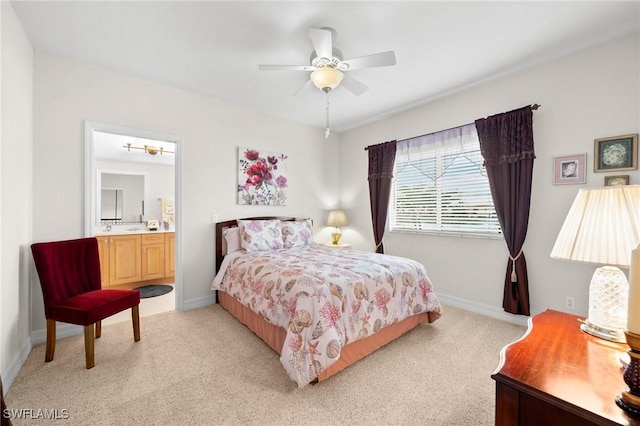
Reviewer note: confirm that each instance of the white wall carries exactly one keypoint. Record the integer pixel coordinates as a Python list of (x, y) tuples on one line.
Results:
[(16, 122), (67, 92), (588, 95)]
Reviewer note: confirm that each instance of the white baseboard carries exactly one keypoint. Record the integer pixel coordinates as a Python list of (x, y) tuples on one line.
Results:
[(479, 308), (16, 364), (199, 302), (62, 330)]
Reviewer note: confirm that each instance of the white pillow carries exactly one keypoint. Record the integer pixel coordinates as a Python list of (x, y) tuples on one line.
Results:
[(297, 233), (260, 235), (232, 238)]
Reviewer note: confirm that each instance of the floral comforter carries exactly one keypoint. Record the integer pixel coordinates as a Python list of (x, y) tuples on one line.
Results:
[(325, 298)]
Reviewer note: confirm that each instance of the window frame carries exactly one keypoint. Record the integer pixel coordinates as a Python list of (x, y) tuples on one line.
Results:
[(421, 147)]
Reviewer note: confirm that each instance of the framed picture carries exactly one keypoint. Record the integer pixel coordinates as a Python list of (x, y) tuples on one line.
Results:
[(616, 153), (262, 178), (616, 180), (568, 169)]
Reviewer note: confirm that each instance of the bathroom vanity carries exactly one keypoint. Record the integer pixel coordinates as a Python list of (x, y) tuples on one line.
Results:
[(134, 258)]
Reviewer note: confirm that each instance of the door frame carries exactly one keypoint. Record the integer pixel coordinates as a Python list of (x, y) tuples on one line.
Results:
[(90, 183)]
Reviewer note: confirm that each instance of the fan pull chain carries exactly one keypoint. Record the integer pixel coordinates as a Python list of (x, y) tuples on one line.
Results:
[(327, 132)]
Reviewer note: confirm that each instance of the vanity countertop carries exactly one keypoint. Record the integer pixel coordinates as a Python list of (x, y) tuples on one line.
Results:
[(130, 230)]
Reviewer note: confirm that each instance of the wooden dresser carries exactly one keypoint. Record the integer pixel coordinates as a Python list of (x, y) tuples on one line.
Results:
[(559, 375)]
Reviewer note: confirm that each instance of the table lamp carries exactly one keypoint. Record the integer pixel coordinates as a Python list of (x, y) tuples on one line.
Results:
[(336, 218), (603, 227)]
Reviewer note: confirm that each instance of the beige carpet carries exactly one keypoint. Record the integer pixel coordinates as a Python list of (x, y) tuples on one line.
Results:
[(204, 367)]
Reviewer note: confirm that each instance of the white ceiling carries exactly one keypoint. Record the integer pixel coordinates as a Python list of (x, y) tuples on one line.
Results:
[(214, 48)]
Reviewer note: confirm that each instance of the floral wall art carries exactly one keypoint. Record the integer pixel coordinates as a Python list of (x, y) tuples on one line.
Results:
[(262, 178)]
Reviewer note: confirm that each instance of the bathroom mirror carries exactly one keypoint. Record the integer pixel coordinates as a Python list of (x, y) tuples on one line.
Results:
[(129, 173), (111, 200), (122, 197)]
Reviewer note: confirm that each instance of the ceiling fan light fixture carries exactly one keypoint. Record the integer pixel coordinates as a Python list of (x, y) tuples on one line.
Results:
[(326, 78)]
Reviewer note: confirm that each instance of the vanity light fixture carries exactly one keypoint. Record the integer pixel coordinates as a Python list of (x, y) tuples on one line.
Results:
[(149, 149)]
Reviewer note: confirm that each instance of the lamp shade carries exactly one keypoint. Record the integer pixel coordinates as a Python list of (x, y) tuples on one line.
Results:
[(326, 78), (337, 218), (602, 226)]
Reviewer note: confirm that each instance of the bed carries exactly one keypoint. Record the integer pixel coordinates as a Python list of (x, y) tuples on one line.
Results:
[(321, 308)]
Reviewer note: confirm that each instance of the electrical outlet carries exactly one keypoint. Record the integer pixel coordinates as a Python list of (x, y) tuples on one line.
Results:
[(570, 303), (214, 218)]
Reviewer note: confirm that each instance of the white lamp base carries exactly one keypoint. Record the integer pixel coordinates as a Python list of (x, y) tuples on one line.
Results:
[(603, 333), (608, 300)]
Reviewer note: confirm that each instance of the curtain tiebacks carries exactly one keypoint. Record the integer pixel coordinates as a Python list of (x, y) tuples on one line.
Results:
[(514, 276)]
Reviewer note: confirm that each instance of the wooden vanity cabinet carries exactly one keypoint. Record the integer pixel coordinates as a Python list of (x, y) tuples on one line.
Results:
[(132, 259), (120, 259), (153, 261), (103, 250)]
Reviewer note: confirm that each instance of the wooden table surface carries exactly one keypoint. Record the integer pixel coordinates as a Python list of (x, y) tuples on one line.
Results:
[(560, 364)]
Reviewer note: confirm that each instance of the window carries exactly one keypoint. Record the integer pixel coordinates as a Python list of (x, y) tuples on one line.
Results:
[(440, 185)]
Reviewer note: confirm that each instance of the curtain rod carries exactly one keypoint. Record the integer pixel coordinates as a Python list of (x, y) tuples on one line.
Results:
[(534, 107)]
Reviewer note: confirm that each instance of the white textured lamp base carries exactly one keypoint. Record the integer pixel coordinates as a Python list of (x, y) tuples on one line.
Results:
[(603, 333), (608, 299)]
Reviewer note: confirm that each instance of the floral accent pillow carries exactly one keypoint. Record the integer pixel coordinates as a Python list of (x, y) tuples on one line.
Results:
[(297, 233), (260, 235)]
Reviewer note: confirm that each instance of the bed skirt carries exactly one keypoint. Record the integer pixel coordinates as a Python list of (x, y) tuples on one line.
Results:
[(274, 335)]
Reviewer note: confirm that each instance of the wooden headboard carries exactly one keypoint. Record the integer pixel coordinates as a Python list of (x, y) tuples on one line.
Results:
[(232, 223)]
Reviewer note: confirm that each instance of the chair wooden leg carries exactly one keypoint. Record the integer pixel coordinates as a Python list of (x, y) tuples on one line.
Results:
[(135, 317), (88, 345), (51, 340), (98, 329)]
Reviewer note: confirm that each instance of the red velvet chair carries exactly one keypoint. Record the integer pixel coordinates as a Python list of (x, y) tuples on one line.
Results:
[(69, 274)]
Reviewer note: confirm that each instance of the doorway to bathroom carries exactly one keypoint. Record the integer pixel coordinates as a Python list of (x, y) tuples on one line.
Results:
[(132, 206)]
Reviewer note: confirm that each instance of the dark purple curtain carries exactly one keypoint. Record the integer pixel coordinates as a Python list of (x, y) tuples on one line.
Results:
[(381, 160), (506, 143)]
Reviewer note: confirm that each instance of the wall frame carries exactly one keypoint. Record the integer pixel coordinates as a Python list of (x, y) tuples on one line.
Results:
[(570, 169), (616, 180), (617, 153), (261, 178)]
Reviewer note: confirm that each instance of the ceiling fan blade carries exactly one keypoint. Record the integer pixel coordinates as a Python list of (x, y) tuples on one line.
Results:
[(382, 59), (286, 68), (302, 87), (353, 85), (322, 42)]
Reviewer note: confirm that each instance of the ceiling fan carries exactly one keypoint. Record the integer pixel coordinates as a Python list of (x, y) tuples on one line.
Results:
[(328, 67)]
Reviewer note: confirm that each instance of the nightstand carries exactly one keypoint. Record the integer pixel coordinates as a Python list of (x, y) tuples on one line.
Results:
[(559, 375), (341, 245)]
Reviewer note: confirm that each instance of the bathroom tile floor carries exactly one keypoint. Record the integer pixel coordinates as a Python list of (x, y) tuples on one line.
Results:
[(150, 306)]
